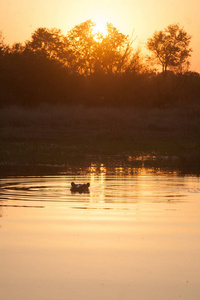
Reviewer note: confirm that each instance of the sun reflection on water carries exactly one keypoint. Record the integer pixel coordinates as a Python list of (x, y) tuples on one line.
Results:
[(98, 181), (133, 227), (125, 185), (110, 188)]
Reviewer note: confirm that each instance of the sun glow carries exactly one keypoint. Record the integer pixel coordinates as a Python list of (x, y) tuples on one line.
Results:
[(100, 30)]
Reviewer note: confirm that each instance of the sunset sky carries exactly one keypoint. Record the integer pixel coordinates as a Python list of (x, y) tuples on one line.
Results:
[(19, 18)]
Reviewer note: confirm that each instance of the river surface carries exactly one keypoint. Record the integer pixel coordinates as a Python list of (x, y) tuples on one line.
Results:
[(135, 236)]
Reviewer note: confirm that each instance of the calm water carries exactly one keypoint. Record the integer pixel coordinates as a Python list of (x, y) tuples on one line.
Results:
[(134, 236)]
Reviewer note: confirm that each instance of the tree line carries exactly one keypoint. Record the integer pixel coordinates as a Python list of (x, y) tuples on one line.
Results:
[(90, 68)]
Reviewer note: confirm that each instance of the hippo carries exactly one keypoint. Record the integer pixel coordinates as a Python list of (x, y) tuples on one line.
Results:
[(80, 188)]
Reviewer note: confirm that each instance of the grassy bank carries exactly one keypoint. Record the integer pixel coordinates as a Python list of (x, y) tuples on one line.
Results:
[(60, 137)]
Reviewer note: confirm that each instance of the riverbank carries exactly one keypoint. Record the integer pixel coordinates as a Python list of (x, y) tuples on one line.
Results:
[(56, 138)]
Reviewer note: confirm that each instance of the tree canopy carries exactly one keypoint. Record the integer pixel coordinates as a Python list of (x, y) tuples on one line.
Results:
[(85, 52), (97, 53), (84, 67), (170, 47), (49, 43)]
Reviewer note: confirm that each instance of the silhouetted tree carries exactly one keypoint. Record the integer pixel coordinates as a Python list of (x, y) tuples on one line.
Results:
[(109, 54), (95, 69), (170, 47), (3, 47), (49, 43), (113, 52), (1, 43), (136, 64), (17, 48), (81, 46)]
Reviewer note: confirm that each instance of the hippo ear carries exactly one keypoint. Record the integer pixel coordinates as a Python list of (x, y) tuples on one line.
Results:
[(88, 184), (72, 184)]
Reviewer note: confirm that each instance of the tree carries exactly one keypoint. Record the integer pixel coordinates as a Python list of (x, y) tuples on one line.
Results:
[(49, 43), (113, 51), (1, 43), (170, 47), (94, 53), (3, 47), (136, 64), (81, 46)]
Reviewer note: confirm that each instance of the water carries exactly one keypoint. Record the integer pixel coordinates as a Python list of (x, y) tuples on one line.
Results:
[(134, 236)]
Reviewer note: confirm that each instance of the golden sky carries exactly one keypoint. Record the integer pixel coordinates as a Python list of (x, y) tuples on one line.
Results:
[(19, 18)]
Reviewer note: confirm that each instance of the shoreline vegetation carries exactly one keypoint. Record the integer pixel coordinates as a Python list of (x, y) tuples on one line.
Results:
[(90, 69), (51, 140)]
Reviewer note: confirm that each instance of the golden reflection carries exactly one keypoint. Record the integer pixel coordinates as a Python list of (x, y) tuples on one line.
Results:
[(1, 211), (132, 183), (129, 171), (102, 168), (111, 246), (93, 168), (102, 197), (97, 179), (138, 169), (142, 157), (119, 170)]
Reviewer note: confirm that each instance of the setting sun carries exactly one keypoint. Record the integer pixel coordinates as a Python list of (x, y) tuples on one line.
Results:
[(100, 27)]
